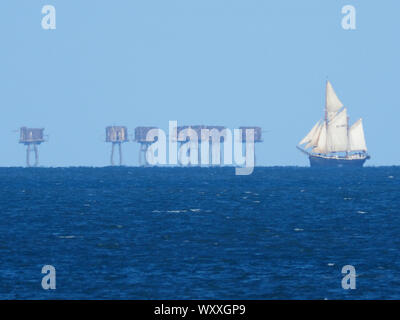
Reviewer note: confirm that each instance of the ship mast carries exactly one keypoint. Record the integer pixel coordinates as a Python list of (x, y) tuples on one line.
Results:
[(348, 138), (326, 103)]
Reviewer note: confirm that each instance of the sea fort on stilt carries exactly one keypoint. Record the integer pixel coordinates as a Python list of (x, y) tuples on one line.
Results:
[(31, 137), (116, 135)]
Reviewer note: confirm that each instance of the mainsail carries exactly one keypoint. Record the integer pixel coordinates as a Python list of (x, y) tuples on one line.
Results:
[(337, 139), (356, 137)]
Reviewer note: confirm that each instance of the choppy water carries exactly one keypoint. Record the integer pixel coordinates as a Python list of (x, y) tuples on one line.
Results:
[(192, 233)]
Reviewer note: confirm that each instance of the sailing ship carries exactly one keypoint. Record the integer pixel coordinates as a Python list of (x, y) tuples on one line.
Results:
[(331, 142)]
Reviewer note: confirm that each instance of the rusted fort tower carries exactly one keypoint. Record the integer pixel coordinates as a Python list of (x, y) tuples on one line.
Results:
[(116, 135), (31, 137), (140, 137)]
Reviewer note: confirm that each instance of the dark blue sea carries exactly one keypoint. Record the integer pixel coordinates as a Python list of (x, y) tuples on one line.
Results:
[(199, 233)]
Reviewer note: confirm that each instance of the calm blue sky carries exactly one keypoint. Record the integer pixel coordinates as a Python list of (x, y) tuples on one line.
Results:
[(215, 62)]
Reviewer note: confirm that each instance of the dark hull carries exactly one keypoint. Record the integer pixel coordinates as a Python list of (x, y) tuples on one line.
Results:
[(338, 163)]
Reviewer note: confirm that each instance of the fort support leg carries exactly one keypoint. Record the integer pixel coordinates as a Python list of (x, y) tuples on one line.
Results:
[(120, 153), (142, 154), (210, 153), (35, 148), (146, 146), (179, 154), (199, 155), (112, 154), (221, 154), (28, 151)]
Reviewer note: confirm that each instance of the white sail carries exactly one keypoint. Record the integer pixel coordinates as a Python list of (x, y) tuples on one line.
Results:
[(310, 135), (314, 140), (337, 138), (333, 104), (321, 143), (331, 115), (356, 137), (308, 145)]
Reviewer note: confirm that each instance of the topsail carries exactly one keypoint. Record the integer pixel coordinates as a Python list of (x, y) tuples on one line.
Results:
[(332, 104)]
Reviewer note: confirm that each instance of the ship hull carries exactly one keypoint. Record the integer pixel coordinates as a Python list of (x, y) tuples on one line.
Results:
[(316, 161)]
